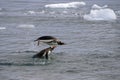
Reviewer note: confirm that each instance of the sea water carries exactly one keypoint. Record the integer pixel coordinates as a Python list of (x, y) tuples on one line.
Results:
[(92, 50)]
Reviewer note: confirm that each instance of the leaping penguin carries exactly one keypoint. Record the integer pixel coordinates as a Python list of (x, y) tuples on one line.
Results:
[(50, 40)]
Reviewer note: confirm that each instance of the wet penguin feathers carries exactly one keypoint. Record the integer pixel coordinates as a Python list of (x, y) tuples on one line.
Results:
[(44, 53)]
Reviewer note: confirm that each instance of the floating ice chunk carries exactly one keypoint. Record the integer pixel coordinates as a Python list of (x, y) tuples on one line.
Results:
[(31, 12), (66, 5), (95, 6), (100, 14), (1, 28), (26, 26), (35, 12)]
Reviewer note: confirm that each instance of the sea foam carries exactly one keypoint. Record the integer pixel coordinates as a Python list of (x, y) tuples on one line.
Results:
[(66, 5), (100, 13)]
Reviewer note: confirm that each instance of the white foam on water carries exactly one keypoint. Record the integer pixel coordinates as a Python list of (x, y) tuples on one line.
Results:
[(66, 5), (26, 26), (2, 28), (100, 13)]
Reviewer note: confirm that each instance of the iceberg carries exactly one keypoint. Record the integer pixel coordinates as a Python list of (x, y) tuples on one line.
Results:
[(66, 5), (100, 13), (95, 6)]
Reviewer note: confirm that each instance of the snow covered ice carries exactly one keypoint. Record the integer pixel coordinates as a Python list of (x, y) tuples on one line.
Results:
[(100, 13), (66, 5)]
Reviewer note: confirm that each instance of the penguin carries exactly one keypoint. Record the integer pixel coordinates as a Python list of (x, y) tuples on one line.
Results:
[(44, 53), (49, 40)]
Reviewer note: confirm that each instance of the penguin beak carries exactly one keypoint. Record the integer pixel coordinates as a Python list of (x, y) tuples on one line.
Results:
[(61, 43)]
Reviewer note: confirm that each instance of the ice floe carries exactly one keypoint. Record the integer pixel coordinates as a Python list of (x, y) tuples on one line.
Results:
[(1, 28), (66, 5), (34, 12), (26, 26), (100, 13)]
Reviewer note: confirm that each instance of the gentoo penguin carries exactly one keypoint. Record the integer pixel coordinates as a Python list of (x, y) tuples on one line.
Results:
[(44, 53), (50, 40)]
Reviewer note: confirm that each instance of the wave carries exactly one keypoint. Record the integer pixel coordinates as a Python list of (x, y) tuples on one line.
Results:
[(25, 63), (27, 51), (16, 64), (26, 26), (2, 9), (66, 5), (7, 63), (100, 13)]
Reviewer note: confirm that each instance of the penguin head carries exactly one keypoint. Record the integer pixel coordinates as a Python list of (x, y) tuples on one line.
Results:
[(60, 43)]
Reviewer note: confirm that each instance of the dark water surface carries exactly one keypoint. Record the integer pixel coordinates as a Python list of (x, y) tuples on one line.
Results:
[(92, 51)]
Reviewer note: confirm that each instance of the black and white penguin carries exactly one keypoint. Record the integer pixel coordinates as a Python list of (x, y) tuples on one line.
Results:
[(44, 53), (50, 40)]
